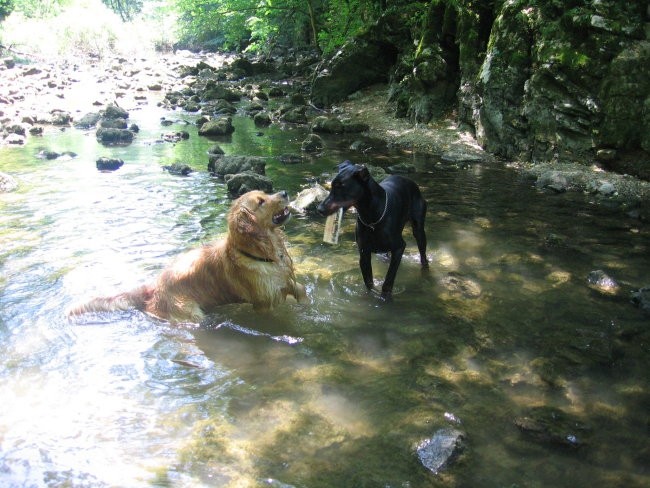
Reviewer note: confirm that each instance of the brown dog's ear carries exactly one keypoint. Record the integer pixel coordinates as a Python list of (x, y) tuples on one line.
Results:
[(247, 235)]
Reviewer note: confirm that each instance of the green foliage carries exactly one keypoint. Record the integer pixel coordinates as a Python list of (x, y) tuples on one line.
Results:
[(126, 9), (6, 7), (39, 9)]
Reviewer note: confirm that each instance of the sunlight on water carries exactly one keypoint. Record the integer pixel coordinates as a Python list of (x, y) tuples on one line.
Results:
[(336, 392)]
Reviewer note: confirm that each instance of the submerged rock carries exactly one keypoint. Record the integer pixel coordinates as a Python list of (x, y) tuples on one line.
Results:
[(438, 452), (641, 298), (601, 282), (550, 425)]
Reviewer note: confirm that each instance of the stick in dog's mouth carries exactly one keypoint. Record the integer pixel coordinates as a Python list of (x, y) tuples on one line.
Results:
[(281, 217)]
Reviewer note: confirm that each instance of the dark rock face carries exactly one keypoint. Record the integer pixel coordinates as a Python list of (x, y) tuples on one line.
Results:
[(359, 63), (538, 81)]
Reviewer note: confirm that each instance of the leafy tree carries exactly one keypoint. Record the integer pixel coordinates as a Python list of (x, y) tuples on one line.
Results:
[(6, 7), (126, 9)]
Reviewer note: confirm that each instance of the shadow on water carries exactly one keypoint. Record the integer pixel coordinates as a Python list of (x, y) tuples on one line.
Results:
[(337, 392)]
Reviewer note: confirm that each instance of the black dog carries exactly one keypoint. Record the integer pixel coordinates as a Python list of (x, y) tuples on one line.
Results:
[(382, 212)]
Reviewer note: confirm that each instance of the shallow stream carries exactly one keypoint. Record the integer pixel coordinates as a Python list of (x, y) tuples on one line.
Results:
[(336, 393)]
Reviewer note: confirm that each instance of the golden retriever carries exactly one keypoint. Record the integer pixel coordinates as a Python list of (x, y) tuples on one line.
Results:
[(251, 265)]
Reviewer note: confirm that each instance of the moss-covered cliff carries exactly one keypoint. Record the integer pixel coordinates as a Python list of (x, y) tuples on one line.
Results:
[(539, 80)]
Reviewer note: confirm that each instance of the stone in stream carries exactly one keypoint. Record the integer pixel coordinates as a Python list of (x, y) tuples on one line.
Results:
[(442, 449), (7, 183), (641, 298), (221, 165), (549, 425), (108, 164), (241, 183)]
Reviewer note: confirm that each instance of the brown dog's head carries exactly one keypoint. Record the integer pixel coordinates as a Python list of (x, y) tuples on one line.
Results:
[(252, 219)]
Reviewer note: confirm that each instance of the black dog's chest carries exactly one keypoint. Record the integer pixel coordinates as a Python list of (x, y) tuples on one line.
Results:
[(381, 238)]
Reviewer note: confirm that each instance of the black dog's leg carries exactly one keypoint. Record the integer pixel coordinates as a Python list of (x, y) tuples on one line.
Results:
[(395, 260), (366, 267), (417, 222), (421, 239)]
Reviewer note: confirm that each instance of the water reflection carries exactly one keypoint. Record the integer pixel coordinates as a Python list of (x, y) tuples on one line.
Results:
[(333, 393)]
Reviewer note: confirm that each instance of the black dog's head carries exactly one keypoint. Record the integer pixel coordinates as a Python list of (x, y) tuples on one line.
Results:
[(348, 186)]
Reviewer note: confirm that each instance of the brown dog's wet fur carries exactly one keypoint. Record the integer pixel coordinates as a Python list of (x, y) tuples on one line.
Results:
[(251, 265)]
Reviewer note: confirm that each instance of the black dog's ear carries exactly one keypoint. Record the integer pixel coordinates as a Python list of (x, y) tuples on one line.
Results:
[(344, 165), (361, 171)]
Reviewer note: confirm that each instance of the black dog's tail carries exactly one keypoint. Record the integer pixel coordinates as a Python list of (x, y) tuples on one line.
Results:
[(134, 299)]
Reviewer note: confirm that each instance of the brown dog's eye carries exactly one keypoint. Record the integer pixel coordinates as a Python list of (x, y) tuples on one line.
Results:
[(260, 202)]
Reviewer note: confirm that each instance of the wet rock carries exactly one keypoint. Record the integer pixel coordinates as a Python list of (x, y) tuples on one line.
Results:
[(262, 119), (88, 121), (641, 298), (217, 127), (9, 63), (178, 169), (401, 169), (7, 183), (113, 111), (361, 146), (60, 117), (463, 158), (327, 125), (215, 150), (114, 136), (227, 165), (601, 282), (15, 139), (47, 154), (313, 143), (438, 452), (553, 180), (214, 91), (116, 123), (351, 127), (290, 158), (240, 183), (219, 107), (108, 164), (295, 115), (457, 285), (308, 199), (176, 136), (549, 425)]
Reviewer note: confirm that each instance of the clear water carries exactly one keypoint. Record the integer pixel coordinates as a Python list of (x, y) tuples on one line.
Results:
[(336, 393)]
